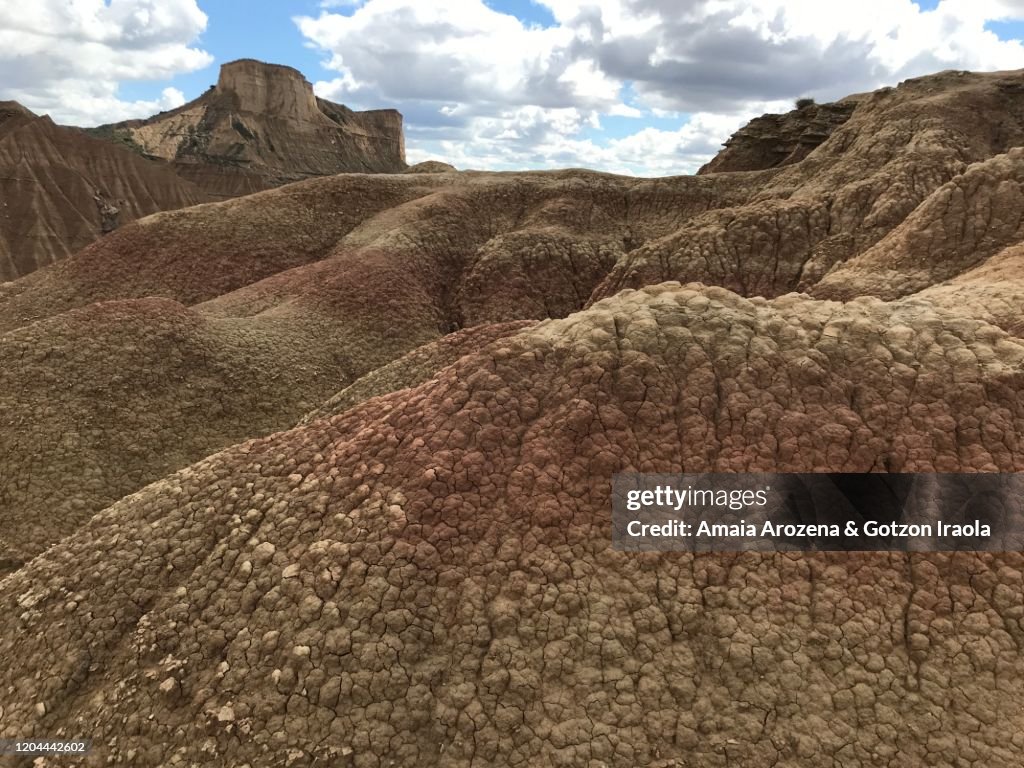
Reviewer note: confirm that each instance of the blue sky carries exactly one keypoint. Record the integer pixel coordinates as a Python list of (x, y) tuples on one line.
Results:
[(629, 86), (235, 31)]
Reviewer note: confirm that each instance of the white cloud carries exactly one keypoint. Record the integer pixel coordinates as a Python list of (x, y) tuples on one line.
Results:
[(482, 89), (82, 104), (647, 152), (451, 51), (67, 59)]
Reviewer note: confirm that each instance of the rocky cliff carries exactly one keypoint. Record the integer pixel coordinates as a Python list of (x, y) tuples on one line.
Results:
[(261, 126)]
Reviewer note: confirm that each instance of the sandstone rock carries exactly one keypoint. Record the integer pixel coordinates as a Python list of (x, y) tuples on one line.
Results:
[(261, 126)]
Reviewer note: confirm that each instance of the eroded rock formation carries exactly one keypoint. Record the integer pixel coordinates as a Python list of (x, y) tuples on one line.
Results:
[(322, 475), (262, 126), (771, 141), (431, 166)]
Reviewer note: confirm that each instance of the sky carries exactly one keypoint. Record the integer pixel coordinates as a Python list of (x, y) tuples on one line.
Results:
[(642, 87)]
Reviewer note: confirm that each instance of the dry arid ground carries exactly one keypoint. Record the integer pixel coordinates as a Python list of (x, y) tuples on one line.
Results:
[(321, 475)]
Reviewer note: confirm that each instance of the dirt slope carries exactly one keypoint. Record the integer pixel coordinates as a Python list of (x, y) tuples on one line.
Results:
[(61, 189), (259, 127), (335, 277)]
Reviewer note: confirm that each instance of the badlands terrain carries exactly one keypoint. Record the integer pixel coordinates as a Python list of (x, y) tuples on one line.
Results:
[(320, 475), (259, 127)]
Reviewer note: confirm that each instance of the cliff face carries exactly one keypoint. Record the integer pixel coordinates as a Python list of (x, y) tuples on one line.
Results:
[(771, 141), (60, 189), (268, 89), (262, 126)]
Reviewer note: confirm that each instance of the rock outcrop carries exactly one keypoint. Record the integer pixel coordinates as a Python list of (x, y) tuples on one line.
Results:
[(823, 215), (262, 126), (321, 475), (771, 141)]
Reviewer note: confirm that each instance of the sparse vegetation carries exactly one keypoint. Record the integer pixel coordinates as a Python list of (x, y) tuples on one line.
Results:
[(117, 136), (803, 102)]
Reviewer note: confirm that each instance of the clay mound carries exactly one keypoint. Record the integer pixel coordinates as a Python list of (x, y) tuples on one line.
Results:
[(961, 224), (494, 234), (388, 280), (103, 400), (100, 401), (414, 368), (479, 249), (62, 189), (433, 568), (431, 166), (203, 252), (470, 256), (993, 291), (395, 282), (261, 126), (329, 323)]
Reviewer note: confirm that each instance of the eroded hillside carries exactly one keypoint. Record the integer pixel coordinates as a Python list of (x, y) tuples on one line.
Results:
[(321, 475), (60, 189)]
